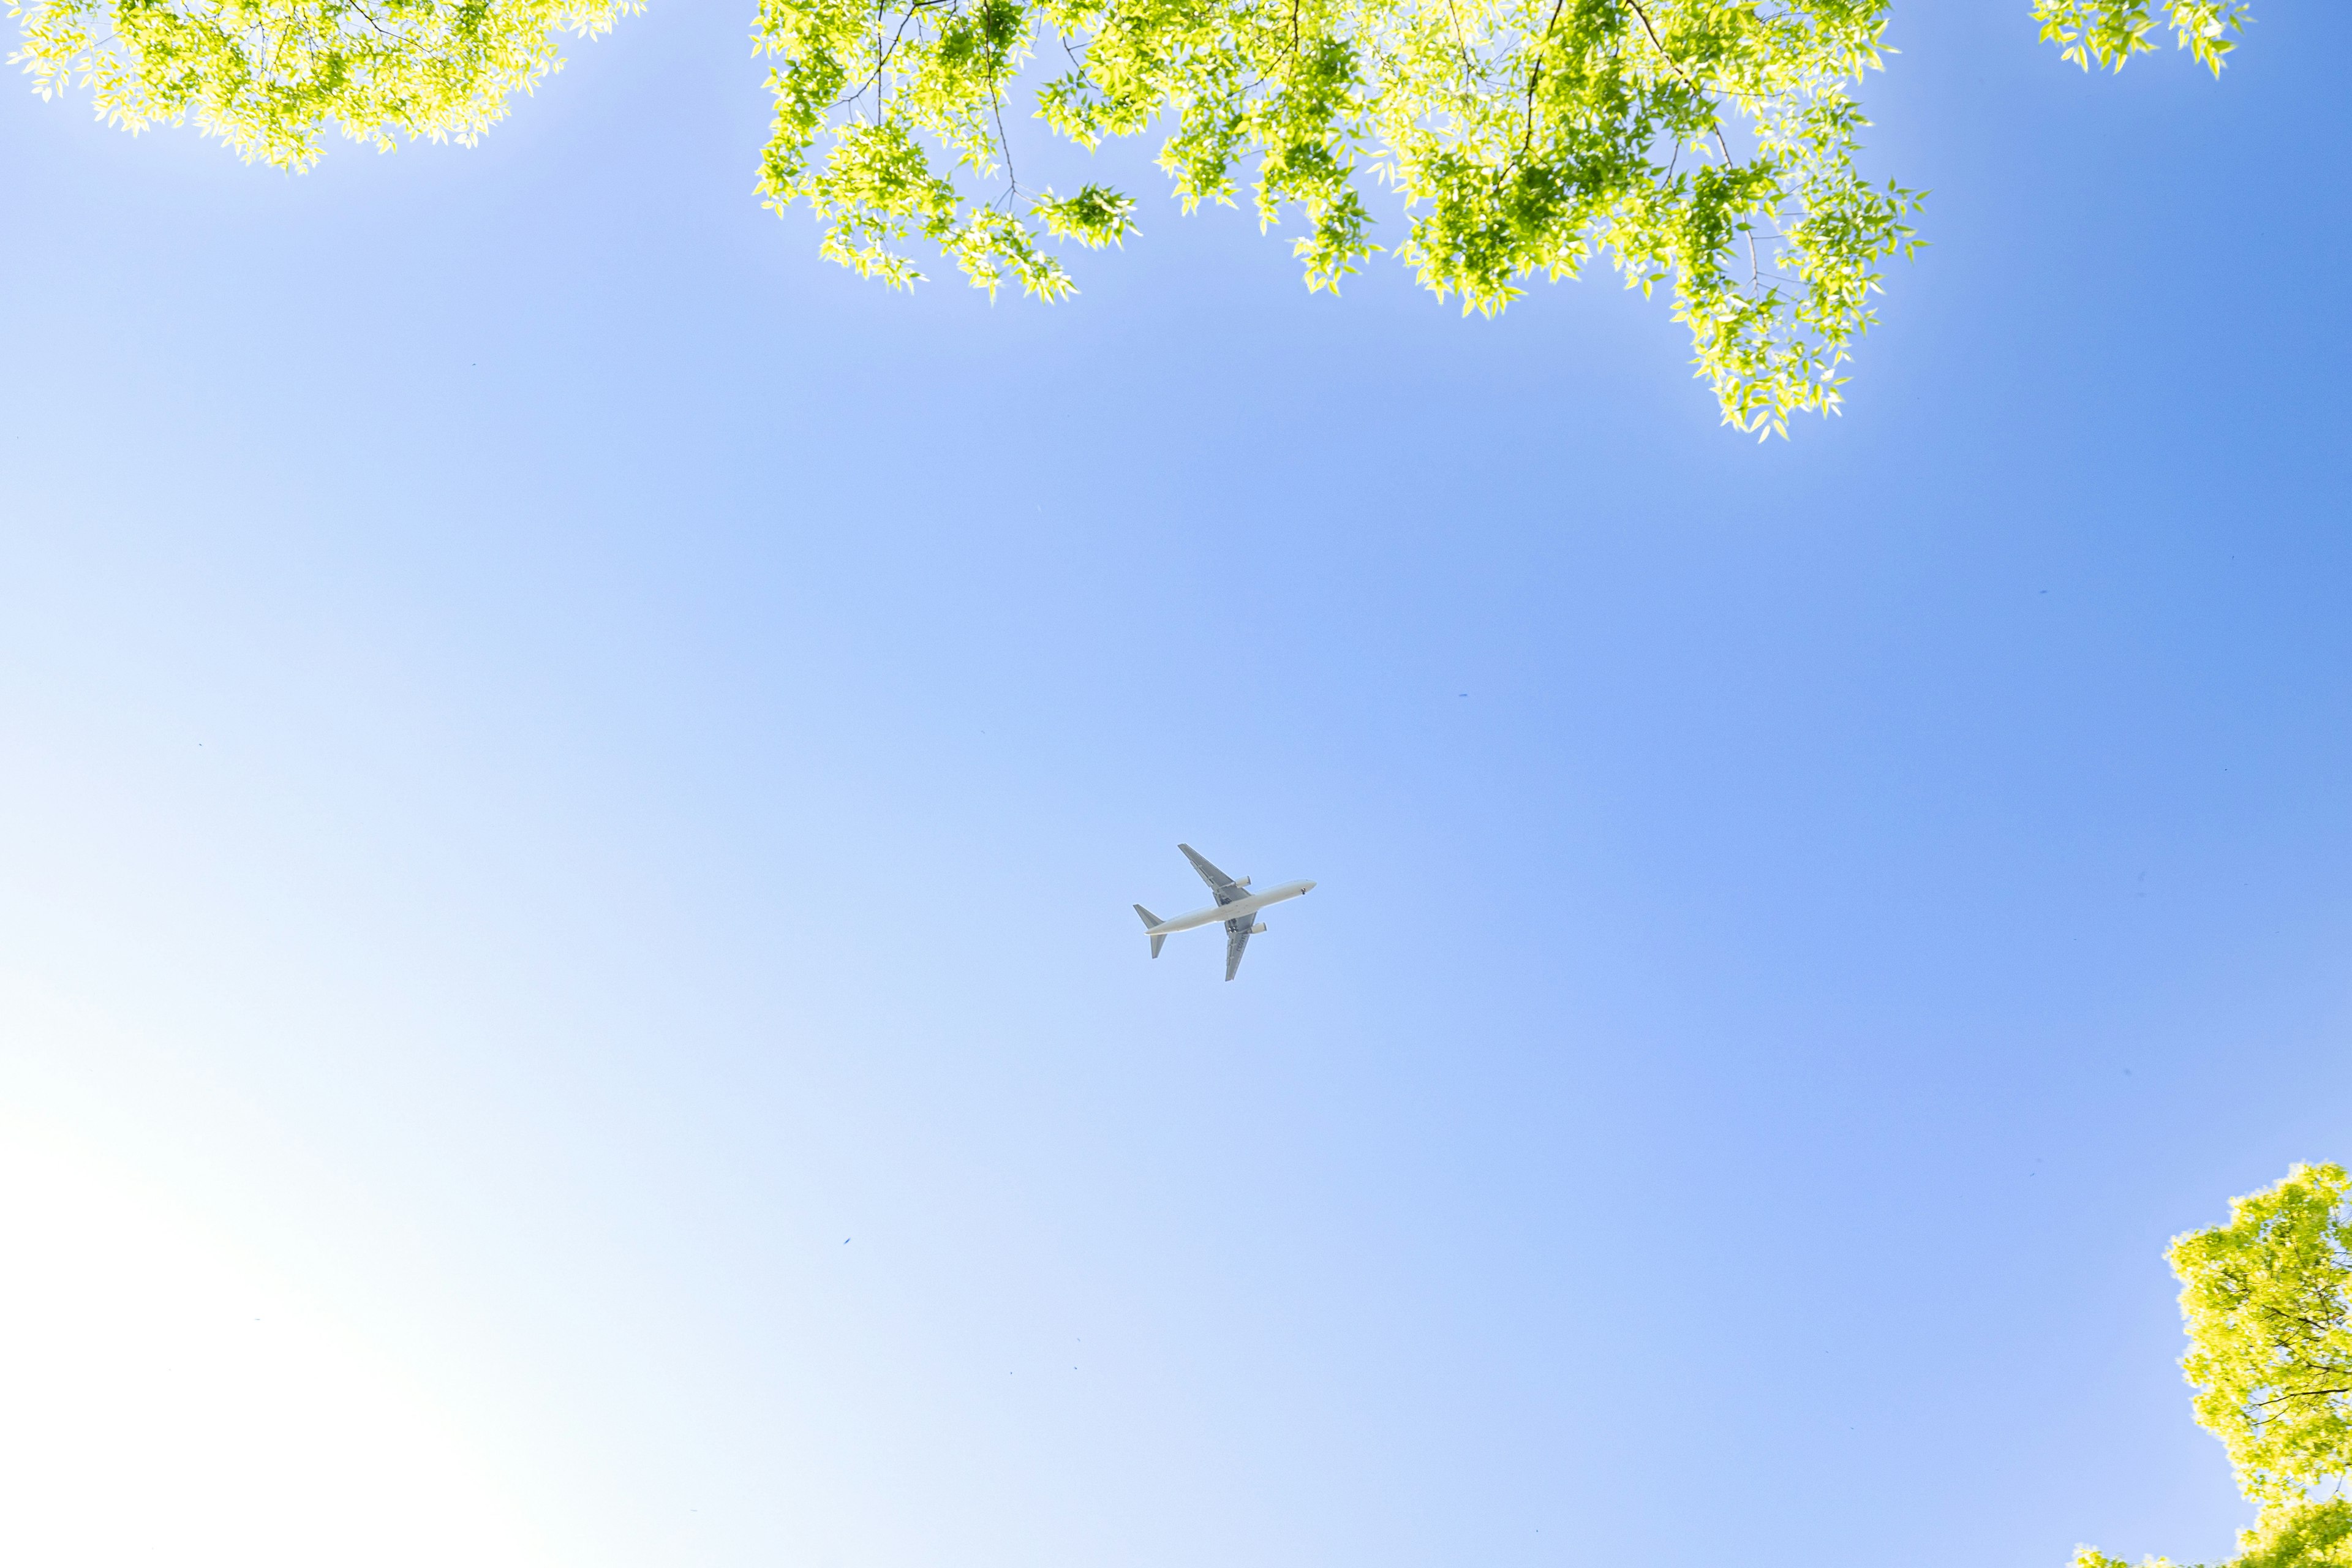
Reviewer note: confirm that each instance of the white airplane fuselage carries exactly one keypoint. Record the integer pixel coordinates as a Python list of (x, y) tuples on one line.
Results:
[(1240, 909)]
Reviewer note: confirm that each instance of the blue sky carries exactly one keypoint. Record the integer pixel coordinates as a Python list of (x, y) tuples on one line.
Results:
[(560, 757)]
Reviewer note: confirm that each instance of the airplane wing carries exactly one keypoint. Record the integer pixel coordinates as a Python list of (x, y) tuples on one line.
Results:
[(1224, 887), (1237, 935)]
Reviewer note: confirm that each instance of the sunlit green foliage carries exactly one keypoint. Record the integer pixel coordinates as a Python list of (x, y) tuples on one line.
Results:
[(1709, 146), (2112, 31), (2288, 1535), (2267, 1300), (267, 76), (1708, 143)]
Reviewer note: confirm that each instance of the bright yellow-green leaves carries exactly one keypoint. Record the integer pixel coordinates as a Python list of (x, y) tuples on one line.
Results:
[(2288, 1535), (943, 70), (2299, 1535), (1712, 146), (2267, 1301), (2112, 31), (267, 76)]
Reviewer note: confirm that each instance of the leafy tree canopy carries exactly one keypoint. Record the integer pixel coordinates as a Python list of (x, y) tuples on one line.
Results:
[(1709, 145), (2267, 1300), (267, 76)]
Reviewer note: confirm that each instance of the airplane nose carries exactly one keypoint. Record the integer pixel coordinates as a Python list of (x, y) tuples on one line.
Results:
[(1308, 888)]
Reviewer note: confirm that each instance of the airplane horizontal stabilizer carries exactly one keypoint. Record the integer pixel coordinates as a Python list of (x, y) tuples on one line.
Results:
[(1150, 920)]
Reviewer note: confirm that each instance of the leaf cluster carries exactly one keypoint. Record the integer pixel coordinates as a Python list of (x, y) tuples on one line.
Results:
[(1709, 146), (265, 76), (1708, 143), (1712, 146), (2267, 1301), (2112, 31), (2288, 1535)]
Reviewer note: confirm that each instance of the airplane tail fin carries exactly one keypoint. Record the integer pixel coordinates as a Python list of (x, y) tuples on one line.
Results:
[(1150, 920)]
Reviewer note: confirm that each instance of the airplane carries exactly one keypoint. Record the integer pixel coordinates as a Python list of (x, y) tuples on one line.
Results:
[(1234, 906)]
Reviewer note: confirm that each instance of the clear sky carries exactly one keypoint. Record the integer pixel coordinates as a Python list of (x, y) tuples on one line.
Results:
[(571, 778)]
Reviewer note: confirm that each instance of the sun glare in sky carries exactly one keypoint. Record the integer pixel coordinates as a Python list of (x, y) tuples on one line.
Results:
[(164, 1401)]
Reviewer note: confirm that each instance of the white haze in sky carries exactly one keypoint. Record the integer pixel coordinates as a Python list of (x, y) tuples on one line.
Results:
[(164, 1400)]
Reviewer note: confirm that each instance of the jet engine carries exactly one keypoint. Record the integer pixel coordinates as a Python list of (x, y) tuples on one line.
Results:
[(1258, 930)]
